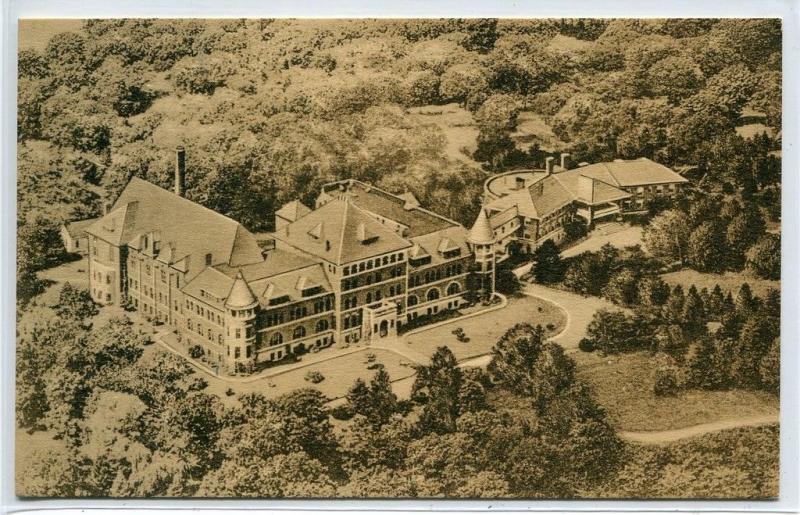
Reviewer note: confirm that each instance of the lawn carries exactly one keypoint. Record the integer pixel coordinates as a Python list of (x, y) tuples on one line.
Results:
[(618, 235), (74, 272), (456, 124), (484, 330), (532, 128), (729, 281), (623, 386), (340, 373)]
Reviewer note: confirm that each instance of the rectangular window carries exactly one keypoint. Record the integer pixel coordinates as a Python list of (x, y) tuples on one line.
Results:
[(238, 333), (238, 352)]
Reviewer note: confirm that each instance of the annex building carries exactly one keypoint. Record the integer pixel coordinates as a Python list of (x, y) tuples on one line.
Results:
[(359, 265), (527, 207)]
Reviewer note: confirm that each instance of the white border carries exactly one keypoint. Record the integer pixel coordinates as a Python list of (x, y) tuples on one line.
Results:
[(786, 9)]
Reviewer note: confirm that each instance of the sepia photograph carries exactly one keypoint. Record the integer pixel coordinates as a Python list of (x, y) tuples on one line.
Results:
[(369, 258)]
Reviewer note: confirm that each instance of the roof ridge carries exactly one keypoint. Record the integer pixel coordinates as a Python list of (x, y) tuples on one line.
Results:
[(181, 197), (400, 200), (341, 231)]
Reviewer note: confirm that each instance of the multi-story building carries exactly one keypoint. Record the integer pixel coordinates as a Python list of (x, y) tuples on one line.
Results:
[(358, 266), (527, 207)]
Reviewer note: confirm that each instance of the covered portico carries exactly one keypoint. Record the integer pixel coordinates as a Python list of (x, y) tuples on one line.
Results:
[(380, 320)]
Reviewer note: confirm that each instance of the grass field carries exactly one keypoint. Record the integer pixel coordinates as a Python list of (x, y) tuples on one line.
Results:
[(623, 385), (729, 281), (484, 330), (456, 124)]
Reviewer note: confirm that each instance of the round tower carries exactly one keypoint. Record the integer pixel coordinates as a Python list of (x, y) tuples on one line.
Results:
[(240, 326), (481, 240)]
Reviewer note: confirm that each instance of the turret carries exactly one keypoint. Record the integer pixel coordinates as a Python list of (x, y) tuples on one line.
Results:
[(481, 240), (240, 330)]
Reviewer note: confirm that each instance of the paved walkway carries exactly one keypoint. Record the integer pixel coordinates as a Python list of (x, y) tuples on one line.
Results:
[(579, 310), (674, 435)]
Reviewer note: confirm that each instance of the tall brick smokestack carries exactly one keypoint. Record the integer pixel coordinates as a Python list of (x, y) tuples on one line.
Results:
[(180, 171)]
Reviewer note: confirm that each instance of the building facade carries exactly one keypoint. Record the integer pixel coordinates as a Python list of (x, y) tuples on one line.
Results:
[(359, 266), (528, 207)]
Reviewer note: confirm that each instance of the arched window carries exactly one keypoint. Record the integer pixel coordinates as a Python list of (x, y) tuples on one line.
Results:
[(453, 288), (433, 294), (369, 297), (276, 339), (322, 325), (412, 300), (298, 332)]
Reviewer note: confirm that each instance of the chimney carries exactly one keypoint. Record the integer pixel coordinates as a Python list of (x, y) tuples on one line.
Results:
[(565, 163), (180, 171), (520, 183), (548, 164)]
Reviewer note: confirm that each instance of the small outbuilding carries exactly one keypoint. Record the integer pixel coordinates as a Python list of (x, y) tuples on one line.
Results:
[(74, 236)]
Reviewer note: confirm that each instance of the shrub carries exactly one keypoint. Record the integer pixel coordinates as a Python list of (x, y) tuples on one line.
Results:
[(374, 366), (666, 382), (586, 345), (229, 392), (196, 352), (197, 384), (342, 412), (314, 376)]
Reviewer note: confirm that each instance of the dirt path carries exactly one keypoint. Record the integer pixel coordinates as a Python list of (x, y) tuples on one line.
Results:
[(673, 435)]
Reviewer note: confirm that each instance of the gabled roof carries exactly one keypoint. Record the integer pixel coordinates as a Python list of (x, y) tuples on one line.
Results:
[(447, 240), (481, 232), (502, 217), (350, 234), (293, 210), (192, 230), (598, 192), (627, 173), (549, 195), (78, 228), (403, 209)]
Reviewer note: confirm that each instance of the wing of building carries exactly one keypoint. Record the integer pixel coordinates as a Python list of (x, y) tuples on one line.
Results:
[(360, 265), (528, 207)]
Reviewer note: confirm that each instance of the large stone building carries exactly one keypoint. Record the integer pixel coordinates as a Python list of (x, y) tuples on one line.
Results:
[(358, 266), (527, 207)]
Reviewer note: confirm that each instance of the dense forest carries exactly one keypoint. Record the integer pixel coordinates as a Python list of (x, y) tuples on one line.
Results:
[(271, 109)]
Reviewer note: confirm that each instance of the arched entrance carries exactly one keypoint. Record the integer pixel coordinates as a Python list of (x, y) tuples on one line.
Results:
[(384, 328)]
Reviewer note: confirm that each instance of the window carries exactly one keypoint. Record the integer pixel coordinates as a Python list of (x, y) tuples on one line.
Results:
[(433, 294), (412, 300), (298, 332), (108, 279), (322, 325), (249, 350), (210, 336), (238, 333), (385, 260), (219, 339), (189, 324), (453, 289), (369, 297), (238, 352), (276, 339)]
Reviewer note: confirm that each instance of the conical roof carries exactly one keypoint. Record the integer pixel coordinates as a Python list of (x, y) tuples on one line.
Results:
[(481, 232), (240, 296)]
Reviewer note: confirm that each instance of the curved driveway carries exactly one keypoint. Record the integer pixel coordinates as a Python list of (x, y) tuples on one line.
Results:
[(579, 310)]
